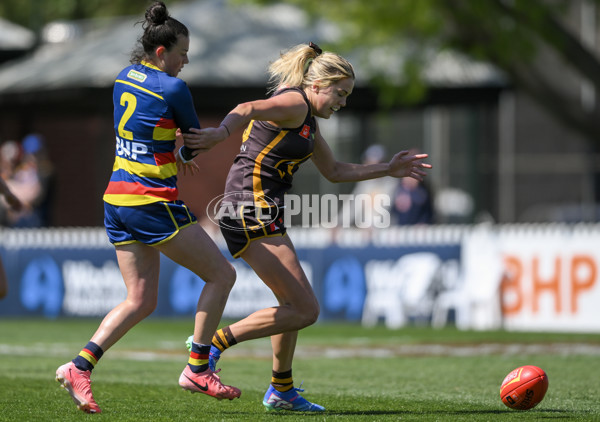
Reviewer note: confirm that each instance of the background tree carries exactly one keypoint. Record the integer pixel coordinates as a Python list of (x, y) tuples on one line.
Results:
[(520, 37), (34, 14)]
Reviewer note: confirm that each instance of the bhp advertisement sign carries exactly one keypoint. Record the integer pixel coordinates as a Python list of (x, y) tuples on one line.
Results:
[(551, 280)]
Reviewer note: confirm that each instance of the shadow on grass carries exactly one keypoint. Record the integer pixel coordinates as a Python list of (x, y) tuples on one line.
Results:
[(541, 413)]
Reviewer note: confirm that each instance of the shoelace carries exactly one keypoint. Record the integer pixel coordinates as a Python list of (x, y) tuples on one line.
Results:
[(299, 388), (221, 385), (214, 374), (84, 384)]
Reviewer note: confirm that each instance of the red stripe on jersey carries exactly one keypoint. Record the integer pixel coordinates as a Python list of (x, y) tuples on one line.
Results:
[(128, 188), (164, 158), (166, 123)]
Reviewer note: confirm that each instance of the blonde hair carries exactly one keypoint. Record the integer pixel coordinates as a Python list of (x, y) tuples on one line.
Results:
[(305, 65)]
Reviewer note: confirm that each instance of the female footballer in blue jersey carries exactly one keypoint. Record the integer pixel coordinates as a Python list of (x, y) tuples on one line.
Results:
[(281, 133), (143, 216)]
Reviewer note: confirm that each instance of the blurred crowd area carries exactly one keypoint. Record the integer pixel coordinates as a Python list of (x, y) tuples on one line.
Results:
[(29, 174), (410, 201)]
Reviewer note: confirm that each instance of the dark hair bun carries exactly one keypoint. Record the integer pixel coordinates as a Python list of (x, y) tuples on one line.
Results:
[(157, 14)]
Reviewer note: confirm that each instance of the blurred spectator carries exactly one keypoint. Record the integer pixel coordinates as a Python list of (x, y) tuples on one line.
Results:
[(12, 202), (412, 203), (34, 146), (28, 174), (410, 200), (10, 154)]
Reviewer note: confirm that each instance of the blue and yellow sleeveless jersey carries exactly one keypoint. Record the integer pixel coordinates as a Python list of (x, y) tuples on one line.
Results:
[(149, 106)]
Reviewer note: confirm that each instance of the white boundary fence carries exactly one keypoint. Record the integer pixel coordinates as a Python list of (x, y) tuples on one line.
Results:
[(516, 277)]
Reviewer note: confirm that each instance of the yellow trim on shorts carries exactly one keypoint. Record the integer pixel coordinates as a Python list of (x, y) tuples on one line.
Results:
[(177, 229), (160, 242), (126, 242), (256, 227), (238, 254)]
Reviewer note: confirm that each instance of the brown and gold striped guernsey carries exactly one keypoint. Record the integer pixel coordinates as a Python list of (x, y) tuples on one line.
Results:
[(269, 156)]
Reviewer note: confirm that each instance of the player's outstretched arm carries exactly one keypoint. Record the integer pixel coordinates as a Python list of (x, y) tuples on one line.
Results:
[(402, 165)]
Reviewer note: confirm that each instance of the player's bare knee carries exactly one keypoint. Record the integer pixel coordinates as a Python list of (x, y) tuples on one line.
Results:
[(314, 315), (229, 276), (223, 277), (145, 307), (309, 314)]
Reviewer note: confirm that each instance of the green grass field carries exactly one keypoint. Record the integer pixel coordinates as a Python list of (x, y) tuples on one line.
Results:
[(358, 374)]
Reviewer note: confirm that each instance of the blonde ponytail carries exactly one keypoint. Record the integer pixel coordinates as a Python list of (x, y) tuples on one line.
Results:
[(305, 65)]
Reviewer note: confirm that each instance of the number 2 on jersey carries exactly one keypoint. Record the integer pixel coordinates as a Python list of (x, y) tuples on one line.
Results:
[(129, 99)]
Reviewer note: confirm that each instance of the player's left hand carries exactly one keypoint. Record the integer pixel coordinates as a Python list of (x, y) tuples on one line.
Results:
[(206, 138), (190, 166), (182, 165), (405, 165)]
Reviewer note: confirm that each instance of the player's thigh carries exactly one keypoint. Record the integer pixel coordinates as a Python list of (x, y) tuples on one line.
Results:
[(193, 249), (139, 265), (275, 261)]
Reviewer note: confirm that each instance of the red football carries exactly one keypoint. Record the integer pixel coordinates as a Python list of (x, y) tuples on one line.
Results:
[(524, 387)]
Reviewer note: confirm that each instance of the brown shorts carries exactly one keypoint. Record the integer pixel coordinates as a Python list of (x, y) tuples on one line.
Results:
[(254, 223)]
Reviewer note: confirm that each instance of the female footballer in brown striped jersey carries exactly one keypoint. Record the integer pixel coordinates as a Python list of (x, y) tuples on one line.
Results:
[(281, 132)]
